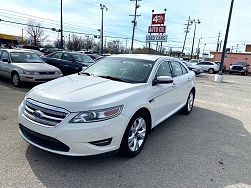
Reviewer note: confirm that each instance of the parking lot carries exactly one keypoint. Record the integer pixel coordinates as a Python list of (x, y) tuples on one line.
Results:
[(209, 148)]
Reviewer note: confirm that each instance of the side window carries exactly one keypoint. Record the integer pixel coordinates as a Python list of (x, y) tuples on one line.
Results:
[(164, 70), (177, 71), (184, 70), (4, 55), (201, 63), (67, 56), (57, 55)]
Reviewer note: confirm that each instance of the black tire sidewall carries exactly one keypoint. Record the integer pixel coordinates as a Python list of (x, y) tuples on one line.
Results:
[(209, 70), (124, 148), (185, 108)]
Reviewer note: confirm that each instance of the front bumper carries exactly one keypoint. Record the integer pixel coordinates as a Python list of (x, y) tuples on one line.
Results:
[(38, 78), (238, 71), (78, 138)]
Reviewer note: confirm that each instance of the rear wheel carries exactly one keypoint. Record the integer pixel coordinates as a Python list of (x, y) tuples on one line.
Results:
[(187, 109), (211, 71), (16, 79), (135, 135)]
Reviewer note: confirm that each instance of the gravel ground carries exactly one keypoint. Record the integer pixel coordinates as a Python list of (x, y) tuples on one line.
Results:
[(209, 148)]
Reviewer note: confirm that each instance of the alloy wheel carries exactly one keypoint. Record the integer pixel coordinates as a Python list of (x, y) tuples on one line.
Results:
[(15, 79), (190, 102), (137, 134)]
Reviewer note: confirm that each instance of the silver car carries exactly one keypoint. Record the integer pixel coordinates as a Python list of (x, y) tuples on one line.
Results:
[(25, 66), (209, 66)]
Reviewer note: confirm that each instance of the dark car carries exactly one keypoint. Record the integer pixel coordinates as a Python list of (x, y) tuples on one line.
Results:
[(239, 67), (68, 62)]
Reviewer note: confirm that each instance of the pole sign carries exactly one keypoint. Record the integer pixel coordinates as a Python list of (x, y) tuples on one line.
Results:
[(158, 19), (156, 38), (156, 29)]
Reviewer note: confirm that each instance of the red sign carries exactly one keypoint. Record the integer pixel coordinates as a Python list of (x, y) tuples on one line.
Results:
[(158, 19), (156, 29)]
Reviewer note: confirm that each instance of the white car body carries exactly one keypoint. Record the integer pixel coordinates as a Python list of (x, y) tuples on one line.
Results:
[(207, 66), (77, 93)]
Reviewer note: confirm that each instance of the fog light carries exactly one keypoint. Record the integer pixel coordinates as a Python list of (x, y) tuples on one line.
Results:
[(104, 142)]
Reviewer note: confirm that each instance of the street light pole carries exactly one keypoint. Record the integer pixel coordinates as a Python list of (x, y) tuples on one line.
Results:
[(204, 48), (102, 27), (62, 42), (195, 24)]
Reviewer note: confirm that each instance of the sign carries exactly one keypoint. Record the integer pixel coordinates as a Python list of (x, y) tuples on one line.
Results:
[(157, 29), (158, 19), (156, 38)]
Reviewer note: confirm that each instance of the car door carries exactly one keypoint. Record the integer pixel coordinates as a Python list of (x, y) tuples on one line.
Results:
[(164, 95), (180, 82), (202, 65), (54, 59), (4, 66), (69, 64)]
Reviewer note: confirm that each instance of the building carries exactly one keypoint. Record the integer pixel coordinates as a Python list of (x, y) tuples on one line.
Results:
[(10, 39), (232, 58), (248, 48)]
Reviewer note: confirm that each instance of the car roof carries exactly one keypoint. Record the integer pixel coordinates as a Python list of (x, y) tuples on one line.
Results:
[(144, 56), (19, 50)]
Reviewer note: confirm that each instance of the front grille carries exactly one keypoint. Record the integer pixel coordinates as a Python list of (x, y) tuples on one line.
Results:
[(46, 73), (43, 80), (43, 114), (239, 68), (42, 140)]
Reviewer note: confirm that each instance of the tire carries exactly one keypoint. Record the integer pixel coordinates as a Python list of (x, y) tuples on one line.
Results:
[(187, 109), (135, 135), (211, 71), (16, 79)]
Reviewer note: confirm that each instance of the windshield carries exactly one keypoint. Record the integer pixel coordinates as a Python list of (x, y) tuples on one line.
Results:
[(126, 69), (239, 63), (25, 57), (82, 58)]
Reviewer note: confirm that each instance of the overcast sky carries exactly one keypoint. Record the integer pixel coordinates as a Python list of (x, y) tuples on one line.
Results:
[(85, 16)]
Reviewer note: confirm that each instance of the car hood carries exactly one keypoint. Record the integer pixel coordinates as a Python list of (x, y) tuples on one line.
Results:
[(36, 67), (81, 92)]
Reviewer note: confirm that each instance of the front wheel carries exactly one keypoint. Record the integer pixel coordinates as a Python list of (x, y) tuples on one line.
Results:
[(245, 74), (16, 79), (135, 135), (187, 109)]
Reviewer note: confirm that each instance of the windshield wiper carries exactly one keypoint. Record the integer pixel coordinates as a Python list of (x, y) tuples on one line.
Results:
[(114, 78), (86, 73)]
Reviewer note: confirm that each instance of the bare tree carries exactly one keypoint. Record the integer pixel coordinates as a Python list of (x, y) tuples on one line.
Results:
[(76, 43), (35, 32), (57, 43)]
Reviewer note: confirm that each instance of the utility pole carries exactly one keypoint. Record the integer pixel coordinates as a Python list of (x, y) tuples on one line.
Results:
[(204, 48), (237, 47), (134, 20), (61, 41), (195, 24), (226, 37), (186, 32), (198, 49), (218, 42), (102, 27)]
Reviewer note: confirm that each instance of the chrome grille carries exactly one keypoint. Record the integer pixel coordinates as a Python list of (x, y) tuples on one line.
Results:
[(43, 114)]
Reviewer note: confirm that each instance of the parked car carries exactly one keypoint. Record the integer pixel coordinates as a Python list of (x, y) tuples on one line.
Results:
[(94, 56), (194, 61), (239, 67), (68, 62), (112, 105), (218, 63), (209, 66), (40, 54), (25, 66), (197, 70)]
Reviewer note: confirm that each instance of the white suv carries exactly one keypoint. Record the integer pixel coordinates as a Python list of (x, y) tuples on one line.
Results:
[(110, 106), (209, 66)]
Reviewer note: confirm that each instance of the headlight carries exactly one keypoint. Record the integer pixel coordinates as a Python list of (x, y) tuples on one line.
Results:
[(30, 73), (58, 72), (97, 115), (244, 68), (231, 67)]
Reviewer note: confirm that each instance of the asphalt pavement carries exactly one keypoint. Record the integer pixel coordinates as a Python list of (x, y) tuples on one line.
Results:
[(209, 148)]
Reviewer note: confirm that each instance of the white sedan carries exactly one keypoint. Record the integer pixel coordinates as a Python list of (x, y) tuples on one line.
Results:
[(111, 106)]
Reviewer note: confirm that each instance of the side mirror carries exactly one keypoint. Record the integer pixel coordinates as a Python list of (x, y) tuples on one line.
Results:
[(162, 80), (6, 60), (248, 65)]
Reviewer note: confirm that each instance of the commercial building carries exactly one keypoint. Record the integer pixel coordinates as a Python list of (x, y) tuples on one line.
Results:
[(232, 58), (10, 39)]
